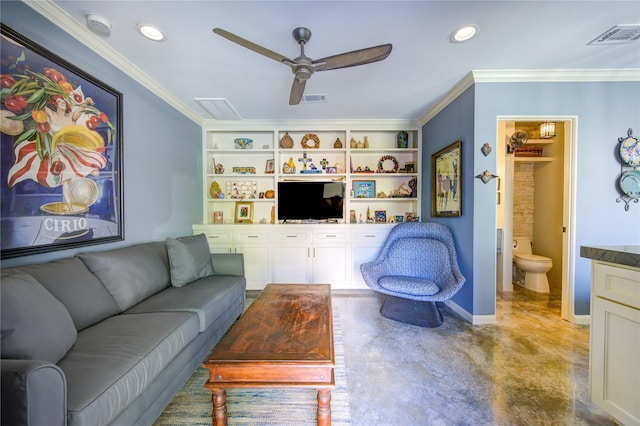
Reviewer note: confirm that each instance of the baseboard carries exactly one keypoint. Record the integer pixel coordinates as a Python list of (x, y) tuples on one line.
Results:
[(470, 318), (581, 319)]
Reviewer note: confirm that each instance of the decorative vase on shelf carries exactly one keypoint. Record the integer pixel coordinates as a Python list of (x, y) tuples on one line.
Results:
[(366, 141), (286, 141), (403, 139)]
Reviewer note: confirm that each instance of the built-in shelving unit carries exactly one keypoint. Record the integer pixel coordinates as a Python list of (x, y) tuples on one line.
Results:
[(340, 152)]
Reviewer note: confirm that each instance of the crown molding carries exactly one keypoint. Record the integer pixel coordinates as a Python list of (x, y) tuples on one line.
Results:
[(522, 76), (65, 22)]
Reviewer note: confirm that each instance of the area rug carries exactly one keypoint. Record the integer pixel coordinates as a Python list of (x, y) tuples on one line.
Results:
[(258, 407)]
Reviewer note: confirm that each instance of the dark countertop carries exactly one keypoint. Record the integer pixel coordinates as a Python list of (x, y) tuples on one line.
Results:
[(622, 255)]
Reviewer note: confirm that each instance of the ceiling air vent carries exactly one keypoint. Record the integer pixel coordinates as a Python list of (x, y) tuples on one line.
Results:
[(618, 35), (218, 108), (313, 99)]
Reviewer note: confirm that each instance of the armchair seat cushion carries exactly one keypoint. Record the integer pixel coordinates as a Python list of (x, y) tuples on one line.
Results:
[(413, 286)]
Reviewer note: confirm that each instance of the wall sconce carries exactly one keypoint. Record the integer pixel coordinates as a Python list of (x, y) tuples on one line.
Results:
[(547, 130)]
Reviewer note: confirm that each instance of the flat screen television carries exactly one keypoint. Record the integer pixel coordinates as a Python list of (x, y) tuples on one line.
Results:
[(310, 200)]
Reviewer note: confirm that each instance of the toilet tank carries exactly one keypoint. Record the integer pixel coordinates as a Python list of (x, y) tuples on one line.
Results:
[(521, 245)]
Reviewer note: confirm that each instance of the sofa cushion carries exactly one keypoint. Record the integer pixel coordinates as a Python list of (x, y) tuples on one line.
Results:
[(79, 290), (115, 361), (189, 259), (208, 297), (35, 325), (131, 274)]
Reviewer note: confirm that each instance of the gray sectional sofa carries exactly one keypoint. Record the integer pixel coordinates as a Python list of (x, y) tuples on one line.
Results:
[(108, 338)]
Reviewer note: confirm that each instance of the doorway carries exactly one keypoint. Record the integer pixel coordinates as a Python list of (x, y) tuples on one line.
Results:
[(536, 200)]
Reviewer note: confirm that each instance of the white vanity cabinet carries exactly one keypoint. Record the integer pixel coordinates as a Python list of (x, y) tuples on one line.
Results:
[(614, 364)]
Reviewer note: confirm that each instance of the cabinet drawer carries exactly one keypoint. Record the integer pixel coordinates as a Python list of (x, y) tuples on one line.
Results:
[(294, 236), (617, 283), (331, 236), (246, 237), (366, 237), (218, 237)]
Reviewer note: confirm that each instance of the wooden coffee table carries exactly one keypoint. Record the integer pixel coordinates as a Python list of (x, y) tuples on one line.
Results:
[(284, 339)]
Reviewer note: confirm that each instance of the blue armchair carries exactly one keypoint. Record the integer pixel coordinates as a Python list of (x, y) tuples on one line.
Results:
[(416, 268)]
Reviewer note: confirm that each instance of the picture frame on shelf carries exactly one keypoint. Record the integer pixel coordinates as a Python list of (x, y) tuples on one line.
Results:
[(62, 153), (352, 217), (218, 217), (243, 212), (446, 188), (399, 218), (364, 189), (269, 166), (381, 216)]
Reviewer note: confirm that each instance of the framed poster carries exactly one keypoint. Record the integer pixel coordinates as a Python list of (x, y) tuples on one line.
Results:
[(61, 153), (446, 191)]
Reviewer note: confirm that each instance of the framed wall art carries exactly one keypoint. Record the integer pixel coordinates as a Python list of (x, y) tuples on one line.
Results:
[(244, 212), (446, 188), (364, 189), (61, 158)]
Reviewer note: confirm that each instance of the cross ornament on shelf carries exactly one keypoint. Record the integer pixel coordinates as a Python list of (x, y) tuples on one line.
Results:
[(304, 160)]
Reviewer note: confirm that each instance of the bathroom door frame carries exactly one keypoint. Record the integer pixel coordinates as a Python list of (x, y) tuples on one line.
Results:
[(570, 123)]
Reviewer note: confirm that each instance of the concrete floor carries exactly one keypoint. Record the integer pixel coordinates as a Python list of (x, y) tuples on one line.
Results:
[(531, 368)]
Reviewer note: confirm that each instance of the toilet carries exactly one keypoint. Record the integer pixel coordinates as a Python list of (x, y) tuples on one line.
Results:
[(533, 266)]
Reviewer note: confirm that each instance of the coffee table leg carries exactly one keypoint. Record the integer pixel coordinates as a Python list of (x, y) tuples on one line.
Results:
[(219, 413), (324, 407)]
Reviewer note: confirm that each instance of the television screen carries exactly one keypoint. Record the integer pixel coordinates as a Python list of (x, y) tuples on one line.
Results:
[(310, 200)]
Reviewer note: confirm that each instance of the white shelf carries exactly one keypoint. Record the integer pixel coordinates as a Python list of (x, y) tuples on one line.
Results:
[(533, 159)]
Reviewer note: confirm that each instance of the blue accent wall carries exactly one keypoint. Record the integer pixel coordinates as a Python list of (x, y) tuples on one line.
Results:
[(162, 148), (605, 111), (455, 122)]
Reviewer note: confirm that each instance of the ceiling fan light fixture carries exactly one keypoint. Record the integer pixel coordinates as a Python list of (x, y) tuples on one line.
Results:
[(464, 33), (151, 32)]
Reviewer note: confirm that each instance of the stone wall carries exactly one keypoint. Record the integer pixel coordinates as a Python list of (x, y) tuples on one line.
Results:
[(523, 200)]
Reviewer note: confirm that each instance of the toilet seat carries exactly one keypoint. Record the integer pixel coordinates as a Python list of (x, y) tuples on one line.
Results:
[(532, 258)]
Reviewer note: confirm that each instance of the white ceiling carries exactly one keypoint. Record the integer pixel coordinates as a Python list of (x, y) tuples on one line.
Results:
[(424, 65)]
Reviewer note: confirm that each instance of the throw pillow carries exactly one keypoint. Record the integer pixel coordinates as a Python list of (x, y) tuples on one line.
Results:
[(131, 274), (35, 325), (77, 288), (189, 259)]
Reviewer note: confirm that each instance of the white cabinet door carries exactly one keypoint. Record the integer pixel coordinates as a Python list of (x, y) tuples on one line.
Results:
[(291, 264), (256, 265), (615, 363), (331, 265), (367, 244)]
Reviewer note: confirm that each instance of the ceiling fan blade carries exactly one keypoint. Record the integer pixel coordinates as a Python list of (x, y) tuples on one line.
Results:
[(297, 90), (255, 47), (351, 59)]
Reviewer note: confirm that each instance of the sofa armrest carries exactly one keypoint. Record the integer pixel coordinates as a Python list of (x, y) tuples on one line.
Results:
[(228, 264), (34, 393)]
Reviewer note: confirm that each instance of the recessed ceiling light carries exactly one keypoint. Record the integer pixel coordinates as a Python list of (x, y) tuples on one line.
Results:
[(151, 32), (464, 33)]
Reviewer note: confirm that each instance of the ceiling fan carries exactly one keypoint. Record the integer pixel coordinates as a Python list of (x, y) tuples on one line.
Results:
[(303, 67)]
